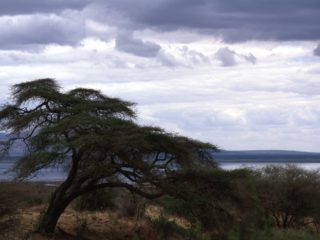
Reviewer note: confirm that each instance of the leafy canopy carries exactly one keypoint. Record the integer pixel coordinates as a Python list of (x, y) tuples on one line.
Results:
[(96, 136)]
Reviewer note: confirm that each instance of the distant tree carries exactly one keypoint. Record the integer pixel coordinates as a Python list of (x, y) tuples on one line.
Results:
[(215, 199), (97, 138), (290, 195)]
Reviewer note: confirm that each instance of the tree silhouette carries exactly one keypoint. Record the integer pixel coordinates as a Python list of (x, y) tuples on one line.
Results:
[(96, 137)]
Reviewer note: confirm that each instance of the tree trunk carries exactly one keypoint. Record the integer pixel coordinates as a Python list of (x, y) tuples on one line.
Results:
[(49, 219), (60, 199)]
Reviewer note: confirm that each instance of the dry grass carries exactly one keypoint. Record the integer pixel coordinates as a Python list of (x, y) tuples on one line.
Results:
[(15, 199), (21, 204), (81, 225), (154, 211)]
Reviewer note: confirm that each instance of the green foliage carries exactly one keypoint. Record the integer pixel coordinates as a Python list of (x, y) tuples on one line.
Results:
[(247, 201), (136, 237), (290, 195), (81, 228), (99, 200), (129, 208), (212, 197), (35, 200), (42, 217), (99, 131), (165, 228), (196, 232)]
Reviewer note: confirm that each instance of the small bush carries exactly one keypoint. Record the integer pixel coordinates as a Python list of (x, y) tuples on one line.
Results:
[(196, 232), (34, 200), (40, 218), (81, 228), (99, 200), (290, 195), (165, 228), (129, 209), (130, 205), (214, 198)]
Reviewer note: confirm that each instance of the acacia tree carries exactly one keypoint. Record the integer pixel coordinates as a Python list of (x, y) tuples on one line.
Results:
[(290, 195), (96, 137)]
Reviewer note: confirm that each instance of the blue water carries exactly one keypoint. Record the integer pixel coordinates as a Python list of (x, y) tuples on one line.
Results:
[(260, 159), (226, 160), (257, 165), (53, 174)]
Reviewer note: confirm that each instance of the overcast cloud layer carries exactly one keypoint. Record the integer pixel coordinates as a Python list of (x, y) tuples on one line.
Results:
[(243, 74)]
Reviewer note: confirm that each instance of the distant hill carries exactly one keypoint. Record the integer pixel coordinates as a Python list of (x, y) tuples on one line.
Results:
[(228, 156), (266, 152), (267, 156)]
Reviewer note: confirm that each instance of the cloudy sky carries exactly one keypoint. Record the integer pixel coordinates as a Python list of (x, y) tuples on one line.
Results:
[(243, 74)]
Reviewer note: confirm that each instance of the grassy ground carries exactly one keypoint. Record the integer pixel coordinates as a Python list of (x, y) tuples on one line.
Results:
[(22, 203)]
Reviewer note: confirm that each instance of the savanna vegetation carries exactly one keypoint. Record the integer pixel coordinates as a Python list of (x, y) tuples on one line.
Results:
[(126, 181), (271, 203)]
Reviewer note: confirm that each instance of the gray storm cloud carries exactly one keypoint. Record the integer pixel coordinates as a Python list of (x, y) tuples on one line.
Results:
[(228, 57), (40, 30), (250, 58), (232, 20), (127, 43), (23, 7)]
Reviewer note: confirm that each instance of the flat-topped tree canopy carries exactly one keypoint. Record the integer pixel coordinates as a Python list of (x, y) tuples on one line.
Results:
[(99, 139)]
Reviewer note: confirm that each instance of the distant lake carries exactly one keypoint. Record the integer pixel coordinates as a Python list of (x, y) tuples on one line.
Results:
[(53, 174), (260, 159), (226, 160), (256, 165)]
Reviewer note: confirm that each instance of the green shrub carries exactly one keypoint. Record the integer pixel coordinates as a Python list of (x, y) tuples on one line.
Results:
[(290, 195), (165, 228), (129, 208), (131, 205), (196, 232), (34, 200), (214, 198), (99, 200)]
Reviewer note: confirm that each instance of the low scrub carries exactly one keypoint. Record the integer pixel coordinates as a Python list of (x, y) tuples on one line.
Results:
[(165, 228), (274, 234), (99, 200), (283, 197)]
